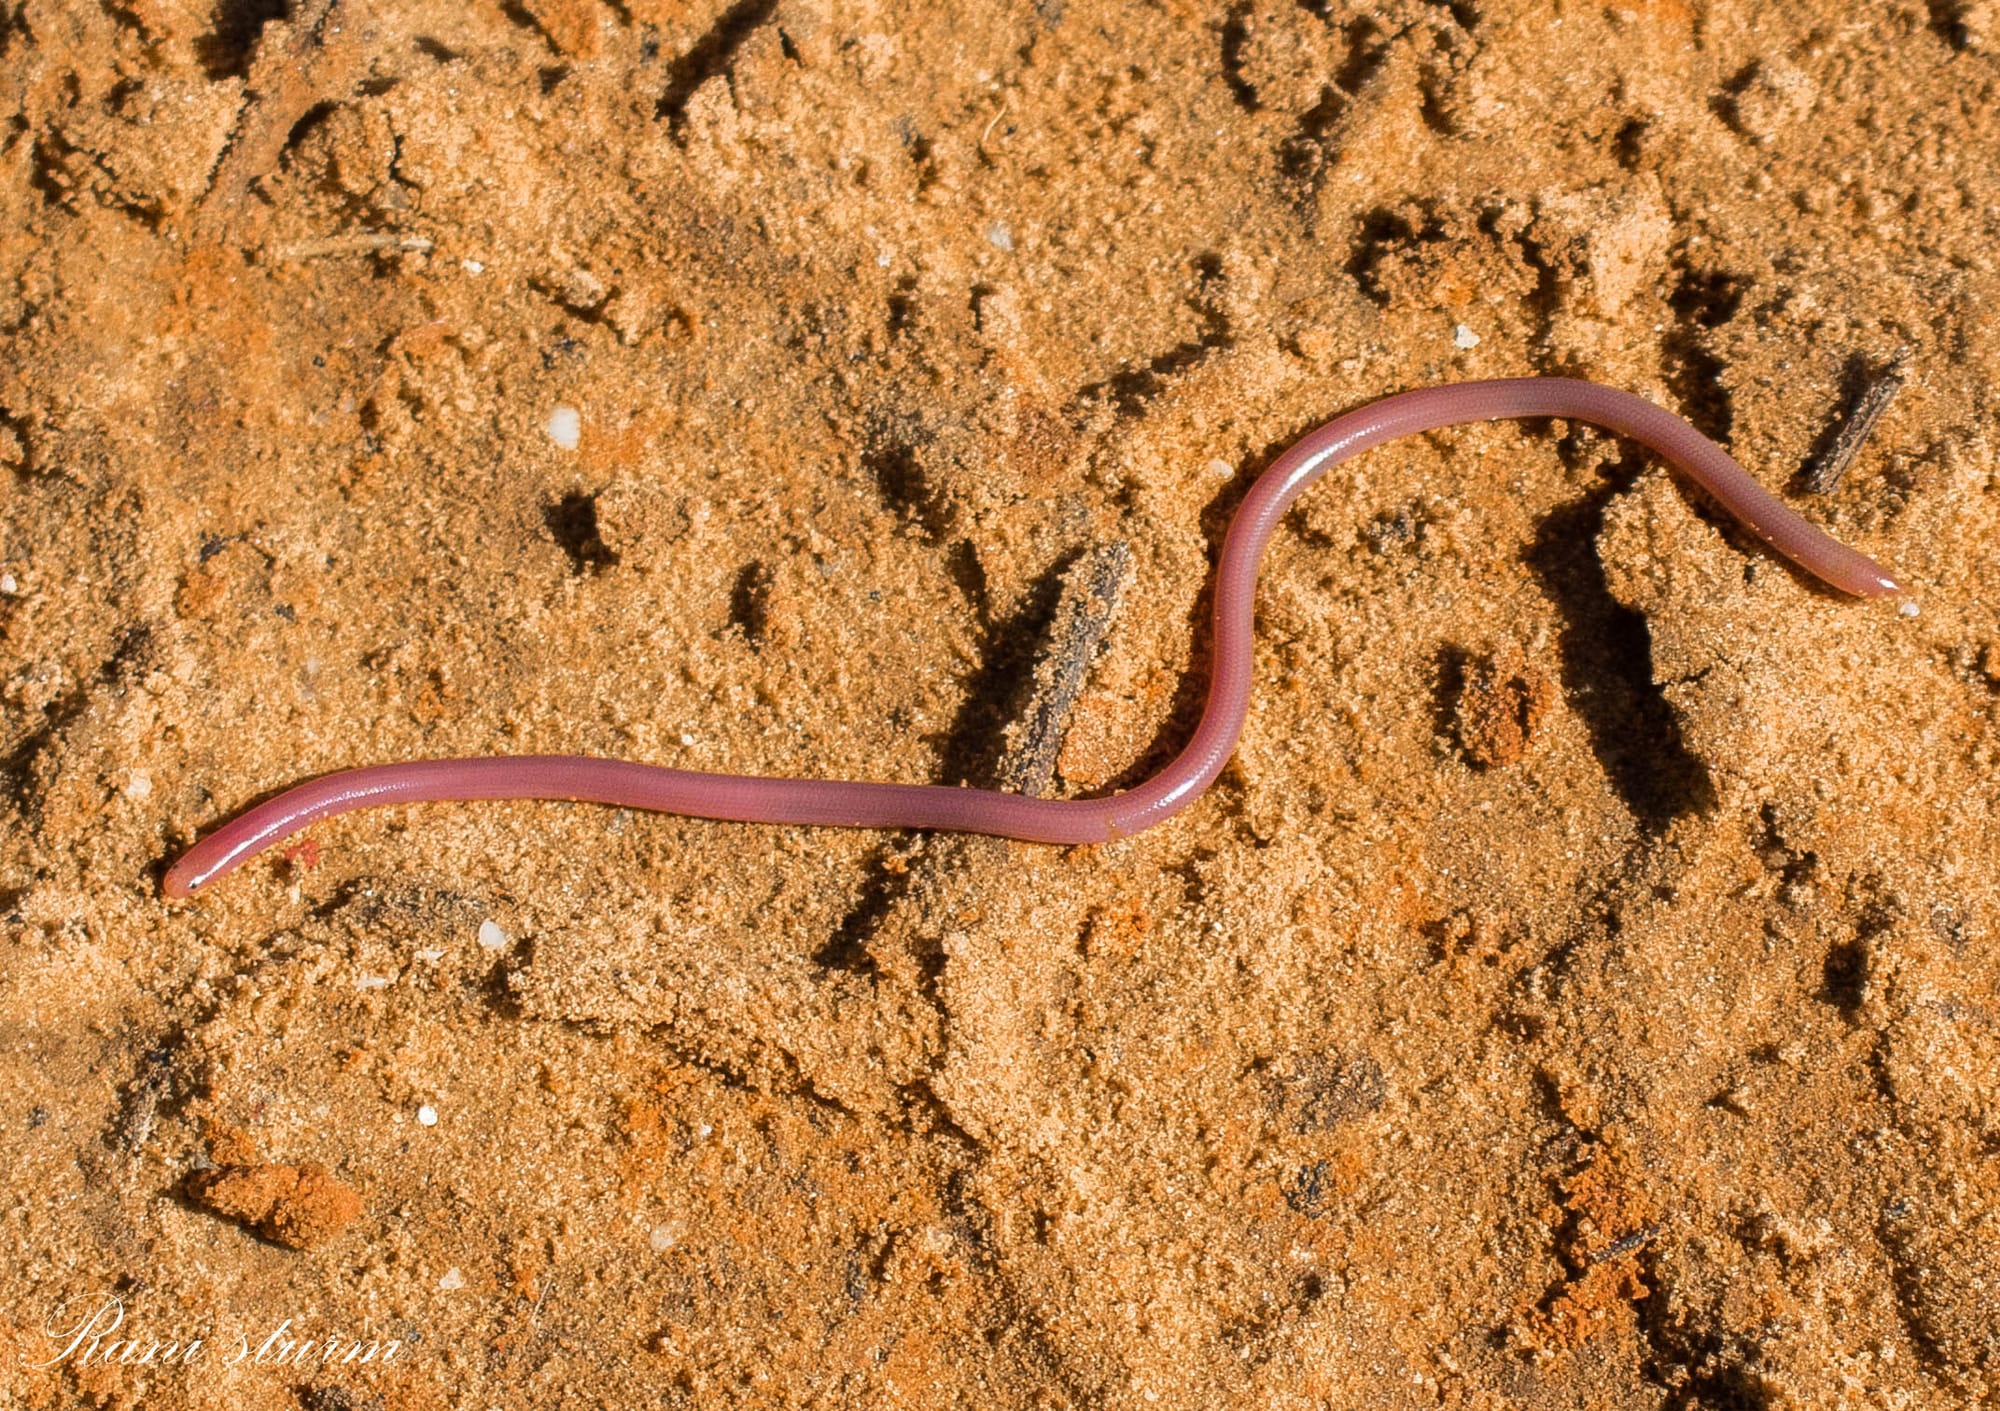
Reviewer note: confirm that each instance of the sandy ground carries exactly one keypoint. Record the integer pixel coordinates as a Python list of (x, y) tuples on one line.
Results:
[(1583, 990)]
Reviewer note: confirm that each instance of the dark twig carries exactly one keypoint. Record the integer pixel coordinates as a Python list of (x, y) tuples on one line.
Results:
[(1870, 390), (894, 928), (1085, 606), (1635, 1240)]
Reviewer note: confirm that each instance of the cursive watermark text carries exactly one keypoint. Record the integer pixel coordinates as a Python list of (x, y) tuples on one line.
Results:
[(100, 1338)]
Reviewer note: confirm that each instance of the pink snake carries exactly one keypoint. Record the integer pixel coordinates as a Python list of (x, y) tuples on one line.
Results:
[(875, 805)]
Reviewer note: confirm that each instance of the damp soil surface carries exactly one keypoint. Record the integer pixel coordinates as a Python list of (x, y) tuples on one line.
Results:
[(1581, 990)]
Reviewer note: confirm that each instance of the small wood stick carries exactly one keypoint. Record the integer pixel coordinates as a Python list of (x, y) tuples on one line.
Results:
[(1636, 1240), (891, 931), (1085, 606), (1878, 388), (373, 242)]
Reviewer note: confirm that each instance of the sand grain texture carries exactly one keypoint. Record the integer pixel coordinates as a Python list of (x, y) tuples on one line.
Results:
[(1582, 989)]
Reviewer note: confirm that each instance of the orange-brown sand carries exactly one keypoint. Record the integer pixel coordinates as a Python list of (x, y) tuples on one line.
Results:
[(1582, 991)]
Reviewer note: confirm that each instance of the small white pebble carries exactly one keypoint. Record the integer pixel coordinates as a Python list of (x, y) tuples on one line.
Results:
[(1221, 467), (8, 585), (883, 259), (999, 236), (427, 1116), (1909, 610), (665, 1236), (491, 937), (430, 957), (139, 786), (1463, 337), (371, 982), (565, 427), (472, 266), (686, 739), (452, 1279)]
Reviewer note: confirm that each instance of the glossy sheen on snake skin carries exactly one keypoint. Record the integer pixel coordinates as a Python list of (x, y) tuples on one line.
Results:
[(875, 805)]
